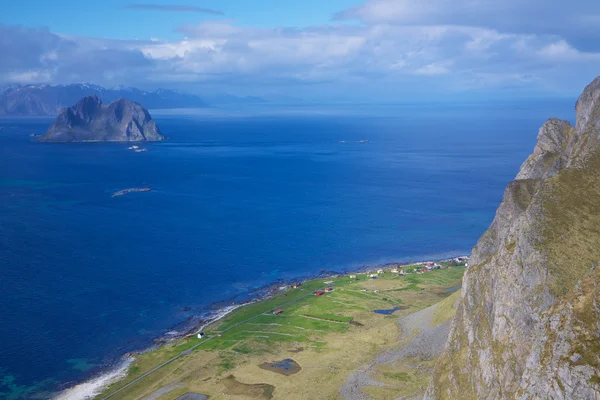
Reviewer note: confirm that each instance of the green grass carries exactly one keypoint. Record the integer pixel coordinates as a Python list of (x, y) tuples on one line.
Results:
[(397, 376), (227, 363), (306, 319), (445, 309), (570, 224)]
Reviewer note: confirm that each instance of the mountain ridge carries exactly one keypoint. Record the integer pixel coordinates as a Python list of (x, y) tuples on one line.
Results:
[(528, 321), (46, 100)]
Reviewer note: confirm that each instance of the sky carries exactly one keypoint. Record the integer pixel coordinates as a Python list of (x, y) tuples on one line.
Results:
[(329, 50)]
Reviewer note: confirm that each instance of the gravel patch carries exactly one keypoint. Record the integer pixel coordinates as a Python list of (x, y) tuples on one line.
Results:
[(421, 340), (193, 396), (164, 390)]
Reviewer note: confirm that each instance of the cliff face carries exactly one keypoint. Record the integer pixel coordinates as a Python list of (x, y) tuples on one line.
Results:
[(91, 121), (528, 324)]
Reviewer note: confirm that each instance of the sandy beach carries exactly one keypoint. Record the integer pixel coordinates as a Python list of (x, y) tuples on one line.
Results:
[(94, 386)]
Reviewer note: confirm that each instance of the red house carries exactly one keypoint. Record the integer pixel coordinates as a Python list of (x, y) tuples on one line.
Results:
[(319, 293), (278, 311)]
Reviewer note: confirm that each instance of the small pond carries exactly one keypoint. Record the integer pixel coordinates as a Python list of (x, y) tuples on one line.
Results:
[(283, 367), (389, 311)]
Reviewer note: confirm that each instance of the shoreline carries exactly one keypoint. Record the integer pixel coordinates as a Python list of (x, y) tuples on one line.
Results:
[(92, 387)]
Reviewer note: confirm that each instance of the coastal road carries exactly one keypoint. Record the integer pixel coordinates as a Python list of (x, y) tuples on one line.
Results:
[(191, 349)]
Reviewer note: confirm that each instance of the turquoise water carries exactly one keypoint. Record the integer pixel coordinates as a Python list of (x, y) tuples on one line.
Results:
[(237, 203)]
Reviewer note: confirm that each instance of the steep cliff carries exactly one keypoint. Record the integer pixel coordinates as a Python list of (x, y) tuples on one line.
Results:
[(528, 323), (91, 121)]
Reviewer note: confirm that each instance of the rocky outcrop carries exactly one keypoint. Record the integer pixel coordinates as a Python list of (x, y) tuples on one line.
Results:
[(528, 324), (91, 121)]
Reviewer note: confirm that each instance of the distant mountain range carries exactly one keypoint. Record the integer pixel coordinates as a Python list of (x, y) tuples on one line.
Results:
[(37, 100)]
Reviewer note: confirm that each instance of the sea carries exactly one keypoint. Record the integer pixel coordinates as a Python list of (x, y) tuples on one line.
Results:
[(240, 199)]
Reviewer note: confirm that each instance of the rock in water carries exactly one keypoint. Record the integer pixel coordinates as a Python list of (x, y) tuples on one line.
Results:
[(91, 121), (528, 323)]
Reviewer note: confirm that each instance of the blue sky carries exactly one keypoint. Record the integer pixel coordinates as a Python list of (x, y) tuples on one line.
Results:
[(115, 19), (353, 50)]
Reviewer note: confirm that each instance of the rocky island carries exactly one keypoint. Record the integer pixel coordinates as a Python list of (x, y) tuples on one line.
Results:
[(91, 121)]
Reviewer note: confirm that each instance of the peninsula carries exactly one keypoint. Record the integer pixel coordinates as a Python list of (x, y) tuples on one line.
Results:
[(284, 344), (91, 121)]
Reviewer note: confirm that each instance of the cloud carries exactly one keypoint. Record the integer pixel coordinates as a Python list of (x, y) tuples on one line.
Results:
[(174, 8), (40, 56), (408, 56), (575, 23), (411, 46), (432, 69)]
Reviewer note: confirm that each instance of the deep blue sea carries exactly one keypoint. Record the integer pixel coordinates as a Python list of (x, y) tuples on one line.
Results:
[(238, 202)]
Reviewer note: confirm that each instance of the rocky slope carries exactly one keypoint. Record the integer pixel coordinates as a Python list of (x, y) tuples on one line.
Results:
[(91, 121), (528, 324), (50, 100)]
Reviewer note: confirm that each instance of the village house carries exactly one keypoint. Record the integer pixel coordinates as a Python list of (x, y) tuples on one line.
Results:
[(380, 271)]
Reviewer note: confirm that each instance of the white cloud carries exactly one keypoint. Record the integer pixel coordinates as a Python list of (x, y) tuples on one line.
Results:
[(432, 69), (558, 49), (28, 77), (561, 51), (400, 42), (511, 16)]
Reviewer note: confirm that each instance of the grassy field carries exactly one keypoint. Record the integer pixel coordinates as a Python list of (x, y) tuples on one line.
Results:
[(329, 336)]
